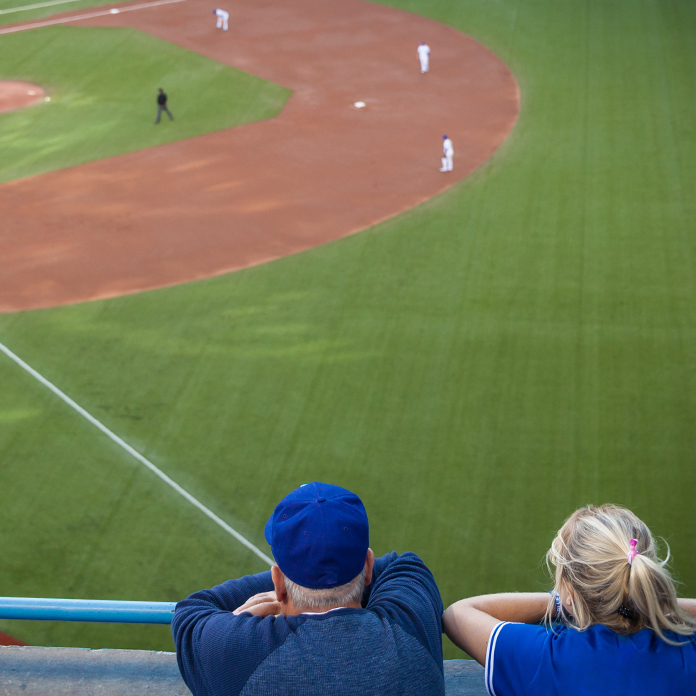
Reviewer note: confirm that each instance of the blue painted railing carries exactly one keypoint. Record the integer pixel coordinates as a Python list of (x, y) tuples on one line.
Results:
[(99, 610)]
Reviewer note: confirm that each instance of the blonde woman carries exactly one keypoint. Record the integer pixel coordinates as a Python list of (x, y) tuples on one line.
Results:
[(618, 627)]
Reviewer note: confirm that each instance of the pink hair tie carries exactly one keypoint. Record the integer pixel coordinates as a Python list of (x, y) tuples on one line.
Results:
[(633, 553)]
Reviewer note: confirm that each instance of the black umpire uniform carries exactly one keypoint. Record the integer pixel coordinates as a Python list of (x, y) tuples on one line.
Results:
[(162, 106)]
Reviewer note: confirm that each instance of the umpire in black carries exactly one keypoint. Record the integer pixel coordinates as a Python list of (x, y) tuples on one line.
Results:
[(162, 106)]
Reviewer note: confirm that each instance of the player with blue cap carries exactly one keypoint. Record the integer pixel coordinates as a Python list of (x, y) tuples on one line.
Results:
[(424, 57), (222, 18), (447, 154), (327, 618)]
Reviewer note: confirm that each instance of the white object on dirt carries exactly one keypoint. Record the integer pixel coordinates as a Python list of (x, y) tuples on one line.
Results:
[(113, 10), (359, 105)]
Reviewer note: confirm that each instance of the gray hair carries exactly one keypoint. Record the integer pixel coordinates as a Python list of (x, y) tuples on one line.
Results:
[(323, 600)]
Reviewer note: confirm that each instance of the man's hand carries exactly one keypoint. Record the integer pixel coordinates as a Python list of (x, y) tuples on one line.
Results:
[(262, 604)]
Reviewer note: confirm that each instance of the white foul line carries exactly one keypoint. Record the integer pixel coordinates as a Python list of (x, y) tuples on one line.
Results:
[(77, 18), (23, 8), (158, 472)]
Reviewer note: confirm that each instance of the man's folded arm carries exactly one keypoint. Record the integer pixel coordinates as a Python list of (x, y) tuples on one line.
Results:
[(405, 587), (381, 564), (214, 607), (228, 596)]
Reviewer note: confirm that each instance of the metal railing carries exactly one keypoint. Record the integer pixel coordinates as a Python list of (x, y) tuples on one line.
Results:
[(95, 610)]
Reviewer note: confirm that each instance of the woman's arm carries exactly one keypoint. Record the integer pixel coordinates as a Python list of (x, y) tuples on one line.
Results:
[(688, 605), (469, 622)]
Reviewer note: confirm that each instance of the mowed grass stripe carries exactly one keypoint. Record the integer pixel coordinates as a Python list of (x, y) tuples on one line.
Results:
[(89, 15), (9, 13), (92, 521), (27, 6), (103, 83), (474, 369), (135, 454)]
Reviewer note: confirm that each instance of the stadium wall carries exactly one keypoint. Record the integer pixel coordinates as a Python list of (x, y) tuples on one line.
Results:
[(84, 672)]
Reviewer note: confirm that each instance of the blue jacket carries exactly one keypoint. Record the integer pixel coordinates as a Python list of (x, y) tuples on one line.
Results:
[(391, 646)]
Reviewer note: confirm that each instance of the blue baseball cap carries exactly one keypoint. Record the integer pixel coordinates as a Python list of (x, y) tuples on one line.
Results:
[(319, 535)]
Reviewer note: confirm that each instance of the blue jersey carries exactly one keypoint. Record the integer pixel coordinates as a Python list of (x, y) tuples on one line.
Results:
[(523, 659), (393, 646)]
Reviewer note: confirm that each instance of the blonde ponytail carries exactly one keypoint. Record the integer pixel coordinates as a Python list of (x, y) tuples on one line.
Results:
[(607, 557)]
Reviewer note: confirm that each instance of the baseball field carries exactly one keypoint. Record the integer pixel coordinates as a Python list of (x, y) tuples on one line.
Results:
[(475, 368)]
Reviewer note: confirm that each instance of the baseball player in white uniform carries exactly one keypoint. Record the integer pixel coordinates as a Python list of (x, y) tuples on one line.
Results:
[(222, 18), (447, 154), (424, 55)]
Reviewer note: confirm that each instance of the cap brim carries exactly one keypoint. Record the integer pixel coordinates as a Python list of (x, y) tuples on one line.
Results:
[(268, 531)]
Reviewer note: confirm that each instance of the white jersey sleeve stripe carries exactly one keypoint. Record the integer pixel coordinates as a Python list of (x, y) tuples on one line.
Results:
[(490, 657)]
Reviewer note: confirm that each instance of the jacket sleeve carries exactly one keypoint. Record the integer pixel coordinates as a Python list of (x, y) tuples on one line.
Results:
[(216, 650), (405, 590), (381, 564), (514, 655)]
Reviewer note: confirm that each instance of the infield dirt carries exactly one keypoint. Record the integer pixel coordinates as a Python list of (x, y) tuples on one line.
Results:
[(17, 95), (236, 198)]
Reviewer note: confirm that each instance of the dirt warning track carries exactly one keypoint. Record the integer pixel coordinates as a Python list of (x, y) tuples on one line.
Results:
[(228, 200)]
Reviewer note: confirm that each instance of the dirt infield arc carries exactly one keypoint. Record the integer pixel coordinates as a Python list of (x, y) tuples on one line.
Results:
[(18, 95), (232, 199)]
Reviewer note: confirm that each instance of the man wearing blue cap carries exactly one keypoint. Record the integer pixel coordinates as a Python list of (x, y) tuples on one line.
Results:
[(328, 619)]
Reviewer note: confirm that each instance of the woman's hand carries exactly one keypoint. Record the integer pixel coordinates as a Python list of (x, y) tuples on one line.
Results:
[(262, 604), (469, 622), (688, 605)]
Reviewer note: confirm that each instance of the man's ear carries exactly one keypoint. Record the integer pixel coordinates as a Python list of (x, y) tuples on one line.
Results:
[(279, 583), (369, 565)]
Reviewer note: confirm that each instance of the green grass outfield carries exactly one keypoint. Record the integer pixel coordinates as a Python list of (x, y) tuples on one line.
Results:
[(16, 12), (103, 83), (474, 369)]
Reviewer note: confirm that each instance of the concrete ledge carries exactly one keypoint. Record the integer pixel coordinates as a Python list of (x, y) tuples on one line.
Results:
[(464, 678), (29, 671), (82, 672)]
